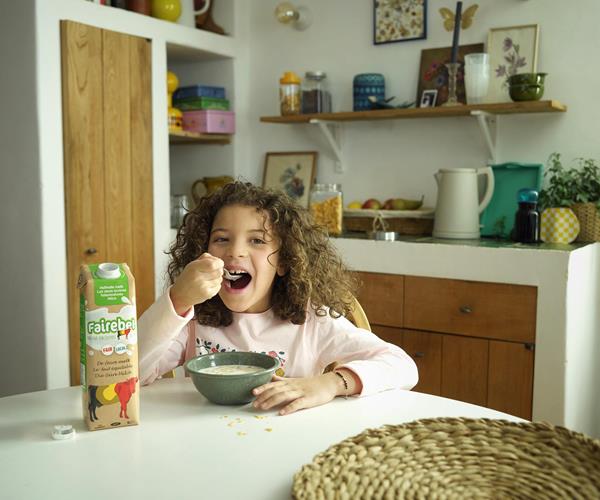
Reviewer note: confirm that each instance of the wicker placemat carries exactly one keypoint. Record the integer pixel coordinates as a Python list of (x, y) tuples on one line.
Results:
[(456, 458)]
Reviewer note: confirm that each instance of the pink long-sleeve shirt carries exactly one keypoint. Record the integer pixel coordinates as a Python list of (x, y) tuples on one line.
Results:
[(167, 340)]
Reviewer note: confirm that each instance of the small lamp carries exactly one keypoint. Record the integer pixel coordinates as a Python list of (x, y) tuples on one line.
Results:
[(299, 17)]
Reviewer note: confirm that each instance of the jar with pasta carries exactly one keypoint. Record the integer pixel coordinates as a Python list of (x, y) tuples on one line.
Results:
[(289, 94), (326, 207)]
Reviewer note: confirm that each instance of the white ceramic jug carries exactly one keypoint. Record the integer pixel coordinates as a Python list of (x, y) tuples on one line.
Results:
[(458, 207)]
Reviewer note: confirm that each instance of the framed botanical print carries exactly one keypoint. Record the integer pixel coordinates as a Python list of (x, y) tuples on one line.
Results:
[(291, 172), (511, 50), (399, 20), (433, 74)]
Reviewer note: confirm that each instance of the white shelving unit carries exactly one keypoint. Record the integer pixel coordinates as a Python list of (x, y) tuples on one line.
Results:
[(34, 31)]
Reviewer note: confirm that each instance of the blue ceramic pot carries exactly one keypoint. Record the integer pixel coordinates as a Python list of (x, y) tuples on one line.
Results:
[(365, 85)]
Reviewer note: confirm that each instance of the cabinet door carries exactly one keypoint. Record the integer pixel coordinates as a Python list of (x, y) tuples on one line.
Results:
[(510, 378), (426, 349), (107, 160), (382, 298), (465, 369)]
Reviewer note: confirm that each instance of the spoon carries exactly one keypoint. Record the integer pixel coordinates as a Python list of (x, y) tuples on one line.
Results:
[(229, 276)]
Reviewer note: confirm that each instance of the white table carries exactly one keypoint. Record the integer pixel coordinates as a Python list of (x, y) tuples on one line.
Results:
[(184, 447)]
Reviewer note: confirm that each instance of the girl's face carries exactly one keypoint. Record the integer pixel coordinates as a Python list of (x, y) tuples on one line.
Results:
[(244, 240)]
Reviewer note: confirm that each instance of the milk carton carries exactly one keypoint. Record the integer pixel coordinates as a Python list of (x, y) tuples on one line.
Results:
[(109, 350)]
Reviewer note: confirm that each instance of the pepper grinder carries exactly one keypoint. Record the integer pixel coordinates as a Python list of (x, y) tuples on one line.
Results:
[(527, 218)]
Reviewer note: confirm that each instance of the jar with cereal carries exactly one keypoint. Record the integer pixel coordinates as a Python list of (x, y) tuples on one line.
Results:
[(326, 207), (289, 94)]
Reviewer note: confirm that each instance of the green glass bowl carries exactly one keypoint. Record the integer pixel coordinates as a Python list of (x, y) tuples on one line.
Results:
[(527, 79), (230, 389), (526, 92)]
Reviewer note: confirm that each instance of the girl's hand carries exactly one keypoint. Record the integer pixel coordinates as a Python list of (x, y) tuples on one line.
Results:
[(299, 393), (199, 281)]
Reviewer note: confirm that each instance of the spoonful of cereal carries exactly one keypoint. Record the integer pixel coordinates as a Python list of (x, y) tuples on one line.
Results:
[(231, 277)]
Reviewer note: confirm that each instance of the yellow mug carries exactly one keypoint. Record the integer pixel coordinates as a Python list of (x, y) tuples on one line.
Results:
[(207, 185)]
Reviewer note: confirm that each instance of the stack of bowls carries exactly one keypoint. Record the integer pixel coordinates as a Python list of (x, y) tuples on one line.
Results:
[(526, 86)]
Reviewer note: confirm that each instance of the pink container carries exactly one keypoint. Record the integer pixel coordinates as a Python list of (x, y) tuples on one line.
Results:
[(209, 121)]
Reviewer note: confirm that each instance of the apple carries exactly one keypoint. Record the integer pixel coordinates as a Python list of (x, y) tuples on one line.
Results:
[(388, 204), (372, 203)]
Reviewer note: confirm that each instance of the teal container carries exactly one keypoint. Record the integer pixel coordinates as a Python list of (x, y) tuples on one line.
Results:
[(498, 218)]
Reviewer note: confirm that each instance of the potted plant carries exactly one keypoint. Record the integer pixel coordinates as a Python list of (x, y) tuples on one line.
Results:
[(576, 188)]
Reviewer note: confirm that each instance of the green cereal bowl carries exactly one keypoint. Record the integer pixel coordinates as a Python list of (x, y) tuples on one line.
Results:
[(230, 389), (527, 79), (526, 92)]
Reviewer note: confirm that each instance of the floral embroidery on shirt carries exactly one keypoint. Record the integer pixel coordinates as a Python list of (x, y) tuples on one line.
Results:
[(209, 348), (206, 347)]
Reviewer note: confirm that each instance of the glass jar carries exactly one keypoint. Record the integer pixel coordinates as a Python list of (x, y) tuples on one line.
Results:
[(527, 218), (289, 94), (316, 97), (326, 207), (179, 207)]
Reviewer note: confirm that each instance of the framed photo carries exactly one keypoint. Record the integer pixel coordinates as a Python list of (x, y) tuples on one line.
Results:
[(433, 74), (512, 50), (428, 98), (291, 172), (399, 20)]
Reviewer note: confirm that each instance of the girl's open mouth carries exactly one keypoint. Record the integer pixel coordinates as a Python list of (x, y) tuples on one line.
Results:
[(240, 282)]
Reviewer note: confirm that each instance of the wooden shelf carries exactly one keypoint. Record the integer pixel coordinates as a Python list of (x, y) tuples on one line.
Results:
[(186, 137), (504, 108)]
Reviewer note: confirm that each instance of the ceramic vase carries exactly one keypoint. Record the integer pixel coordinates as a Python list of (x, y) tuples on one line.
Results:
[(168, 10), (365, 85), (558, 225)]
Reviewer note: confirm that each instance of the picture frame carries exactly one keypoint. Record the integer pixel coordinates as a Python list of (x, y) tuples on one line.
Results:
[(399, 21), (428, 98), (433, 74), (512, 50), (292, 172)]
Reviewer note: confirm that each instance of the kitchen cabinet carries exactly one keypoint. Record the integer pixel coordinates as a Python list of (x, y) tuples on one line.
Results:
[(471, 341), (107, 160)]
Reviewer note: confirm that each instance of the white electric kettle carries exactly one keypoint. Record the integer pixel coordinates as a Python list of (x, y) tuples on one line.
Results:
[(458, 207)]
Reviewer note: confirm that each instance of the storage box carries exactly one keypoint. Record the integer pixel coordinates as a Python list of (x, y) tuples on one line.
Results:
[(209, 122), (199, 91), (199, 103), (498, 218)]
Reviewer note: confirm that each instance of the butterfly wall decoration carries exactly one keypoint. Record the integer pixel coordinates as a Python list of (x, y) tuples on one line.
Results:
[(466, 19)]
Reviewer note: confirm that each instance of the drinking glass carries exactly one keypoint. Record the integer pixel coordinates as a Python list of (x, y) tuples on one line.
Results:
[(477, 77)]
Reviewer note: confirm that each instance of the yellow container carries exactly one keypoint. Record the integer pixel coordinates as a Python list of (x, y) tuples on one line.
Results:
[(559, 225)]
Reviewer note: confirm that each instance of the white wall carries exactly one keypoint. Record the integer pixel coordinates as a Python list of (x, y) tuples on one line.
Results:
[(397, 158), (23, 366)]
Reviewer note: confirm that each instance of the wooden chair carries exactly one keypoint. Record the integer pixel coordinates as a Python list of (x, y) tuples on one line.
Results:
[(358, 316)]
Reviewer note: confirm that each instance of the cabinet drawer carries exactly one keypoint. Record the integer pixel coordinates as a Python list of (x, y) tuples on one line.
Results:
[(488, 310), (381, 296)]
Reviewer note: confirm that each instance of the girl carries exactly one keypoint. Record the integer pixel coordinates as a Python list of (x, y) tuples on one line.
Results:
[(289, 302)]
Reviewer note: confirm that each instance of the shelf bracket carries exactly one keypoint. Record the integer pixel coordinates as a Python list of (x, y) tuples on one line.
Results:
[(488, 124), (332, 133)]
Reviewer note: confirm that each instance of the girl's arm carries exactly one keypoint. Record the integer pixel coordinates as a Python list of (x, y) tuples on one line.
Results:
[(365, 365), (162, 338), (377, 364)]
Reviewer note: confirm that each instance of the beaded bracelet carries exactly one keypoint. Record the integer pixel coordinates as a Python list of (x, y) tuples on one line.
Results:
[(343, 380)]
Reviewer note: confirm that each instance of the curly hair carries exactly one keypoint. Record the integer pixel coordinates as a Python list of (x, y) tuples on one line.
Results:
[(315, 274)]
